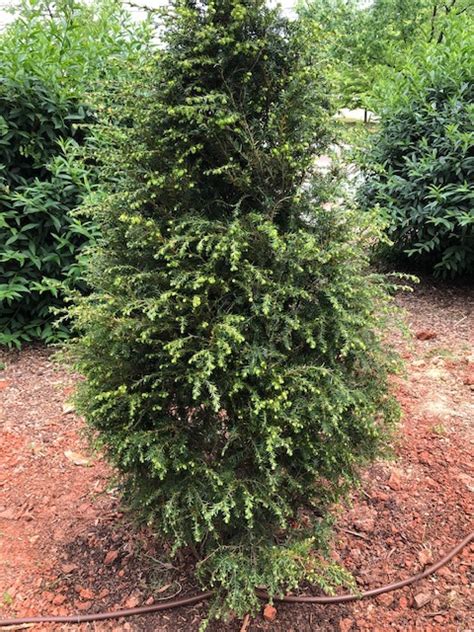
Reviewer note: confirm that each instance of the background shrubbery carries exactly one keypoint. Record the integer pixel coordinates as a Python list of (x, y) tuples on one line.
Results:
[(55, 58), (40, 239), (420, 166), (410, 62), (368, 40)]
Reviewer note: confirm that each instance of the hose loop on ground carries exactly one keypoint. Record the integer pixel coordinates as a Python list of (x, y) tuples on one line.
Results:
[(193, 599)]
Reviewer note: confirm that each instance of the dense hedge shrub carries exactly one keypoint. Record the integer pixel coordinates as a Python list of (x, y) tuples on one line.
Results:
[(52, 58), (40, 240), (420, 166), (235, 373)]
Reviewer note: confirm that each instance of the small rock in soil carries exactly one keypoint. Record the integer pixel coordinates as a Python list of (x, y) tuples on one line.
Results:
[(132, 601), (68, 568), (421, 599), (385, 599), (452, 597), (86, 594), (425, 458), (68, 409), (469, 378), (8, 514), (365, 521), (425, 556), (77, 458), (426, 335), (467, 480), (269, 613), (110, 557), (345, 625), (394, 482)]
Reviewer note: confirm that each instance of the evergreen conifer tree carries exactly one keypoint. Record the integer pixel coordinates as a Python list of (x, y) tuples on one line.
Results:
[(235, 373)]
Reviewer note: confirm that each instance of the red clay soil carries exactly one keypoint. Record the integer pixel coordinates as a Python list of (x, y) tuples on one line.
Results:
[(65, 546)]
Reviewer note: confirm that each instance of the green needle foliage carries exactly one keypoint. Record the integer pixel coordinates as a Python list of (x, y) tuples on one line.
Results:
[(235, 373)]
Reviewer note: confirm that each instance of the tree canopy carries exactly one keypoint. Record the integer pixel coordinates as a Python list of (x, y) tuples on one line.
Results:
[(364, 39)]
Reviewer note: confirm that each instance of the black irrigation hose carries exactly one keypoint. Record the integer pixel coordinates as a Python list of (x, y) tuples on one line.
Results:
[(376, 591), (188, 601)]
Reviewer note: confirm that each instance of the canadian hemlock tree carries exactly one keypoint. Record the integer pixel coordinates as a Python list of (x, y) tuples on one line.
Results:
[(232, 347)]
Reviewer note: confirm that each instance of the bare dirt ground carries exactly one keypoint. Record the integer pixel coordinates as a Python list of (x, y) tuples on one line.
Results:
[(66, 547)]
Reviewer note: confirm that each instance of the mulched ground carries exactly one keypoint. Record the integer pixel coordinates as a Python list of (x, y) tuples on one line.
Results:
[(65, 546)]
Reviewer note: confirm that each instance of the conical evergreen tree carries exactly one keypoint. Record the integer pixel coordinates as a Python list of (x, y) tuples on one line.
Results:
[(235, 372)]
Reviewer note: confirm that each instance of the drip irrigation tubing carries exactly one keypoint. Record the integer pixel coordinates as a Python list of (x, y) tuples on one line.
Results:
[(193, 599)]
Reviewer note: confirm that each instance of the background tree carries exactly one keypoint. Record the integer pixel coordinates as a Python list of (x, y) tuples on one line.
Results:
[(343, 30), (235, 373), (367, 39), (54, 57), (72, 45)]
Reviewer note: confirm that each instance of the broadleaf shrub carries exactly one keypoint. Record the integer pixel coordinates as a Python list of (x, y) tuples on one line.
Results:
[(232, 344), (52, 60), (419, 169), (40, 240)]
